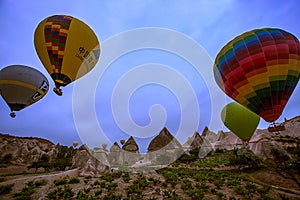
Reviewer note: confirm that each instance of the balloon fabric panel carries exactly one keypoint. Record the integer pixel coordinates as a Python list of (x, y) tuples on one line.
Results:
[(260, 70), (56, 31)]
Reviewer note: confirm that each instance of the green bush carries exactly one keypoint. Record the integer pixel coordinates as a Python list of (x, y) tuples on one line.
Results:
[(24, 194), (98, 192), (134, 190), (74, 180), (171, 178), (41, 182), (81, 195), (154, 180), (126, 177), (61, 181), (59, 193), (111, 186), (240, 190), (187, 184), (5, 189), (196, 193), (234, 182), (112, 196), (107, 177)]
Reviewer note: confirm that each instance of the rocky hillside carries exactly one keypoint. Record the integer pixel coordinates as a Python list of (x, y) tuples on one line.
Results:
[(25, 149), (263, 141)]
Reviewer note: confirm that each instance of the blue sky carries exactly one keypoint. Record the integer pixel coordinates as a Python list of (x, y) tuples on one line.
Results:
[(211, 24)]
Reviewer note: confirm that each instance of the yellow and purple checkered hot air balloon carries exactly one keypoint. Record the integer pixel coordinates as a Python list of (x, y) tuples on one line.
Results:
[(260, 70), (67, 47)]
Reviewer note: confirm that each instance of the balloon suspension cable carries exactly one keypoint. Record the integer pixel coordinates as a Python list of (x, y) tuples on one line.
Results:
[(57, 90), (12, 114)]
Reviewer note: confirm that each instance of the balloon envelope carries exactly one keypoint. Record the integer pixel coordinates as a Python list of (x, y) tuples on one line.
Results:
[(67, 47), (75, 143), (21, 86), (240, 120), (260, 70)]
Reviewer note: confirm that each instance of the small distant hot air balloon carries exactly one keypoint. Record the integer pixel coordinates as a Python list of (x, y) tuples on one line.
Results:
[(21, 86), (122, 141), (67, 47), (260, 70), (75, 143), (240, 120)]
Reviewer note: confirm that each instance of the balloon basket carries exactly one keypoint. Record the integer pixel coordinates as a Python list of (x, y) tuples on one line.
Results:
[(58, 91), (12, 114), (276, 128)]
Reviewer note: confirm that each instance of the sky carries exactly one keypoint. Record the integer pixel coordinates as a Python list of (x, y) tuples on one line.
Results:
[(155, 67)]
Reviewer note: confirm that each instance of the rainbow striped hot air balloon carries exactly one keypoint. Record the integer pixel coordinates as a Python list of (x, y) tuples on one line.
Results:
[(260, 70)]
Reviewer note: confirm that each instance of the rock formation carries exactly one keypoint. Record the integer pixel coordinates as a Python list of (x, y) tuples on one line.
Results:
[(193, 142), (164, 148), (263, 141), (114, 154), (131, 146), (25, 150), (88, 163)]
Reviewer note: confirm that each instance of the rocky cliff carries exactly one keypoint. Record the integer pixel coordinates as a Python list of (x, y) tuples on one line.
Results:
[(25, 150)]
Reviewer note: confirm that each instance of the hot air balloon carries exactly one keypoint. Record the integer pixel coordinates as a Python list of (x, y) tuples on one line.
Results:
[(122, 141), (240, 120), (75, 143), (21, 86), (67, 47), (260, 70)]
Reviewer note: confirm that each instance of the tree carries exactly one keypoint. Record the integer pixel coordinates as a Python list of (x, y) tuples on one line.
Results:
[(43, 162), (63, 157), (287, 166), (244, 158), (6, 160)]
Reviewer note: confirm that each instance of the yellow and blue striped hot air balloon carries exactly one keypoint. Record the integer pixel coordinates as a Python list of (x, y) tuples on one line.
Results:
[(67, 47), (21, 86), (260, 70)]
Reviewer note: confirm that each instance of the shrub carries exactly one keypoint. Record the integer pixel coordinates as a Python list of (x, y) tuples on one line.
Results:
[(87, 190), (171, 178), (5, 189), (196, 193), (112, 196), (187, 184), (231, 183), (61, 181), (24, 194), (59, 193), (126, 177), (240, 190), (81, 195), (74, 180), (98, 192), (107, 177), (111, 186), (41, 182), (6, 160)]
